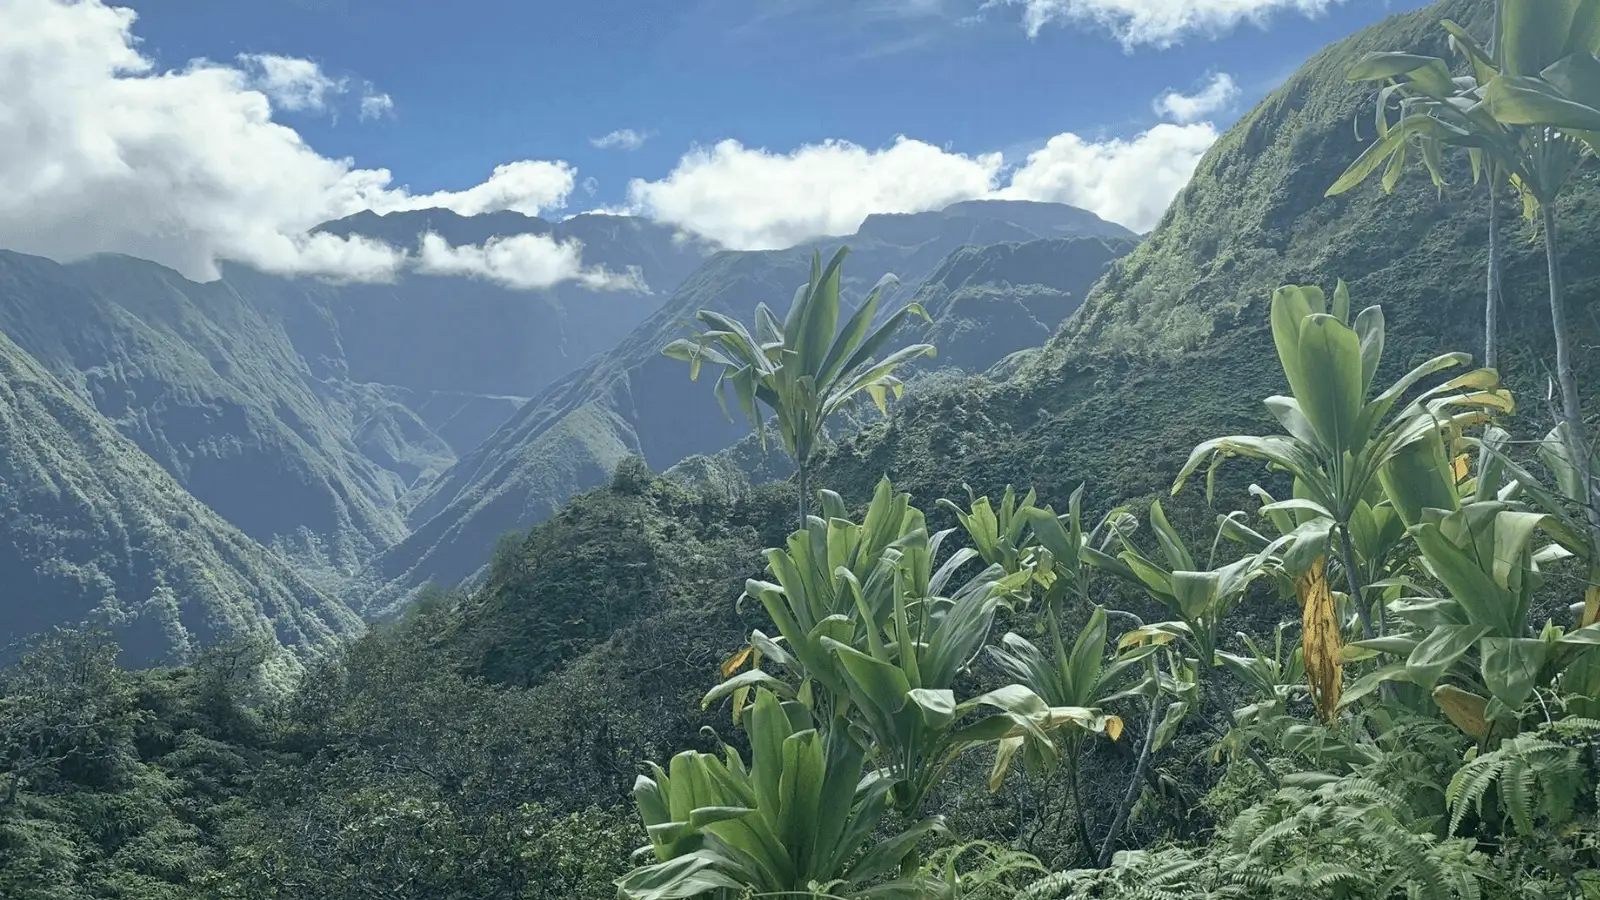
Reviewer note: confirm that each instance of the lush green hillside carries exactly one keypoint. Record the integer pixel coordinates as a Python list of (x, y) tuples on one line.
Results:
[(634, 401), (93, 528), (484, 745), (989, 302), (211, 389), (1172, 347)]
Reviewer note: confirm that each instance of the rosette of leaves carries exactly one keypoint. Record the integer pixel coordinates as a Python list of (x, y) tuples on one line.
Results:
[(799, 820)]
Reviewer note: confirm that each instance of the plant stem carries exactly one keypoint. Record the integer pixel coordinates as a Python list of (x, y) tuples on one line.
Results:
[(1491, 311), (1132, 794), (1571, 409), (1353, 578), (800, 483), (1077, 802)]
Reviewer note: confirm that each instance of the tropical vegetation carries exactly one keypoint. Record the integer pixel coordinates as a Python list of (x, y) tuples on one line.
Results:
[(1362, 662)]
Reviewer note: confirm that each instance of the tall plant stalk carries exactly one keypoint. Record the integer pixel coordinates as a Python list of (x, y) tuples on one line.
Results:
[(1491, 307), (1571, 408)]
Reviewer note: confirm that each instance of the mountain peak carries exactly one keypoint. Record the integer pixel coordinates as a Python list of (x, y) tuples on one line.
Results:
[(402, 227), (993, 221)]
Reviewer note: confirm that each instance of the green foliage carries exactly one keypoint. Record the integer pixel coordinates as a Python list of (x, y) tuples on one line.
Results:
[(805, 369), (791, 823), (405, 766), (93, 528)]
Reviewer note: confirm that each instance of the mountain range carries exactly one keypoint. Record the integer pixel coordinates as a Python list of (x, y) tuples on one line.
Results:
[(367, 439), (189, 460)]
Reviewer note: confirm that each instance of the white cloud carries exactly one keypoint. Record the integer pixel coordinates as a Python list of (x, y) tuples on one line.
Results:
[(1158, 22), (1127, 181), (621, 139), (375, 105), (290, 83), (1182, 108), (525, 262), (754, 199), (529, 186), (101, 152), (591, 185)]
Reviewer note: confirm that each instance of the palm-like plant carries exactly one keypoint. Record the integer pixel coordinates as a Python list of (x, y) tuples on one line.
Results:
[(1339, 439), (872, 643), (1528, 114), (796, 822), (1081, 677), (1479, 632), (803, 369), (1199, 600)]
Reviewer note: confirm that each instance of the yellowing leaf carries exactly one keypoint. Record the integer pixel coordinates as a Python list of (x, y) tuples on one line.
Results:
[(1463, 708), (735, 662), (1460, 467), (1114, 727), (1321, 639), (1005, 752)]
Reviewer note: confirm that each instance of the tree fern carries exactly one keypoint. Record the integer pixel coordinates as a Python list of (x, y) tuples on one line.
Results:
[(1533, 775)]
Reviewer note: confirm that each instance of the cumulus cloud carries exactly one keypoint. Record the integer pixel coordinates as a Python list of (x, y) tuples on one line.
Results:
[(1157, 22), (102, 152), (621, 139), (524, 261), (1126, 181), (1214, 97), (529, 186), (753, 199)]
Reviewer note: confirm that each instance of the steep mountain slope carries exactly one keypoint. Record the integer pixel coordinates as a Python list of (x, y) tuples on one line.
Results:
[(635, 401), (467, 335), (1088, 409), (208, 387), (92, 527), (1172, 347), (989, 302), (295, 407)]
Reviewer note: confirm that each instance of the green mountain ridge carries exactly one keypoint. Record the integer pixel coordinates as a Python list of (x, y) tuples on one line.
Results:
[(94, 529), (634, 401), (208, 387)]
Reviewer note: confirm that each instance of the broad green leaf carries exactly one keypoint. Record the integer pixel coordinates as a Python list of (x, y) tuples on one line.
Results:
[(1328, 380), (1195, 592), (1533, 33), (1523, 101), (1370, 334), (1377, 155), (745, 680), (1416, 477), (1440, 650), (1484, 601), (686, 876), (1511, 666), (1430, 74), (1171, 543)]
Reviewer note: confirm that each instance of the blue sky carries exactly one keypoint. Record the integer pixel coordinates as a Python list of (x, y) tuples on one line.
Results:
[(478, 82), (194, 131)]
